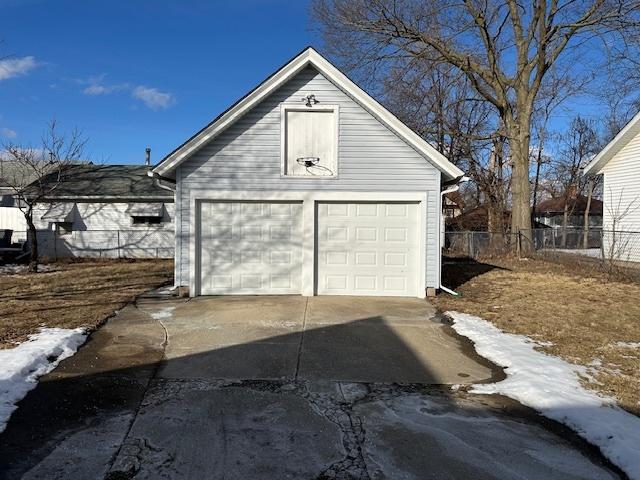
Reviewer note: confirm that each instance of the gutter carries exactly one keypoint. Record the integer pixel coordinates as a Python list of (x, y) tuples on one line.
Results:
[(158, 179), (455, 186)]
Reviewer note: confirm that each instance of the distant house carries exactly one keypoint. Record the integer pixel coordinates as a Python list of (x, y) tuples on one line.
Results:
[(474, 220), (11, 218), (106, 211), (550, 212), (452, 205), (619, 164)]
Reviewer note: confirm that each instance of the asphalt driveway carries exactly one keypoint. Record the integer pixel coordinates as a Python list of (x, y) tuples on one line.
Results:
[(281, 387)]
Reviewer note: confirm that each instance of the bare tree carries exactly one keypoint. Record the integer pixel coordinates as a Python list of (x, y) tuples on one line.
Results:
[(36, 172), (578, 146), (504, 48), (441, 106)]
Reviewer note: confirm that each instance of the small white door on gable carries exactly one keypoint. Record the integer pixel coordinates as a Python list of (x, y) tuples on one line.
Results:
[(250, 248), (368, 249), (310, 141)]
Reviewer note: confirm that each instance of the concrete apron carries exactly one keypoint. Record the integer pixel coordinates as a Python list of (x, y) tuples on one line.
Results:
[(278, 387)]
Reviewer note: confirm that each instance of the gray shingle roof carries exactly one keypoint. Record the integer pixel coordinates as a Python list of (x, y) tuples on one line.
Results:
[(111, 181)]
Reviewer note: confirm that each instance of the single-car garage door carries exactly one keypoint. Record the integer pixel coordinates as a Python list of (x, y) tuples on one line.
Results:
[(368, 249), (250, 248)]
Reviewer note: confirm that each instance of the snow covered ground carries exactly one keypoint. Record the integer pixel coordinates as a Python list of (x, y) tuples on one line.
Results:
[(551, 386), (15, 269), (20, 367)]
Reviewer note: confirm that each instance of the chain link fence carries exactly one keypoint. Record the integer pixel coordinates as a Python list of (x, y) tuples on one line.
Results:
[(609, 247), (142, 243)]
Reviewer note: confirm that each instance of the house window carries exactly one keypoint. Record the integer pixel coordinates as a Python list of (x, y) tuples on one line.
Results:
[(146, 220), (310, 141), (64, 228)]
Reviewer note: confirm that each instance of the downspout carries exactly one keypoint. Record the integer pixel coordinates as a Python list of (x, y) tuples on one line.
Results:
[(454, 188)]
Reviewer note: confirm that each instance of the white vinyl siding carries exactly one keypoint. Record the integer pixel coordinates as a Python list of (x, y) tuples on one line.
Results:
[(621, 197), (247, 156)]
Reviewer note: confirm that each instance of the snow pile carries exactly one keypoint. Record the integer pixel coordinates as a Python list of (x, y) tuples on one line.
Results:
[(14, 269), (551, 386), (21, 366)]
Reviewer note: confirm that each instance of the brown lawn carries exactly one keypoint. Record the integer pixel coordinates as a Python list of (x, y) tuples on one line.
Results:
[(588, 316), (81, 294)]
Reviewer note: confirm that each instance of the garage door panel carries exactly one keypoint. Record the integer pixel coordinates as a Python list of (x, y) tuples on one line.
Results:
[(250, 248), (368, 248)]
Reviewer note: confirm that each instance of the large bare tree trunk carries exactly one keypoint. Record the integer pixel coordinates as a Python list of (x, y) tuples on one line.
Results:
[(521, 189)]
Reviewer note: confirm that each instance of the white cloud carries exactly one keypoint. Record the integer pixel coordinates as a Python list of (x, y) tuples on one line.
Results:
[(14, 67), (97, 90), (153, 98), (8, 133)]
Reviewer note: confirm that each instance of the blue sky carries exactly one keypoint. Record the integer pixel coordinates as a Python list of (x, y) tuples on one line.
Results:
[(132, 74)]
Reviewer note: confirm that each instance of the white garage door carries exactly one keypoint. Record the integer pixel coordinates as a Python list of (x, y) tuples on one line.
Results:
[(368, 249), (250, 248)]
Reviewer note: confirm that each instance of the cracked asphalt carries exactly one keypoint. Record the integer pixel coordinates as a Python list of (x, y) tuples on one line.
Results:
[(282, 387)]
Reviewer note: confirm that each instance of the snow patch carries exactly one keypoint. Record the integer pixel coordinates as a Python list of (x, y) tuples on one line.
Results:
[(14, 269), (21, 366), (552, 386), (628, 344), (166, 312)]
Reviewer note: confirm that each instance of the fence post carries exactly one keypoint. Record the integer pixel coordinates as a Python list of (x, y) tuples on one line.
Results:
[(553, 237), (519, 243), (118, 240)]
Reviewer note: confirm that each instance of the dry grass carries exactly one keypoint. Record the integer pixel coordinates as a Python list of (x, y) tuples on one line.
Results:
[(583, 313), (79, 294)]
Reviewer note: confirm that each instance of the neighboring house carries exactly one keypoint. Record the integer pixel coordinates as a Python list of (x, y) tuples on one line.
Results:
[(619, 164), (475, 220), (307, 185), (106, 211), (11, 217), (452, 205), (550, 212)]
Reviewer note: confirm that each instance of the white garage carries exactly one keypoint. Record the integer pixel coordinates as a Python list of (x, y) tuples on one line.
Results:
[(310, 243), (307, 185)]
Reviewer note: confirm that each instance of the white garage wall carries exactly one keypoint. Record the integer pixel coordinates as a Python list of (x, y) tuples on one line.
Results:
[(247, 157)]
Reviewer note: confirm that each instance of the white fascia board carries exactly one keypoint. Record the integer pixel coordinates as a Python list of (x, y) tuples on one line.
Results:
[(310, 57), (623, 137)]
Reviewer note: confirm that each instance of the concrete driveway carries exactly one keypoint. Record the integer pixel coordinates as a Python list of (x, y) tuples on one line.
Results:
[(281, 387)]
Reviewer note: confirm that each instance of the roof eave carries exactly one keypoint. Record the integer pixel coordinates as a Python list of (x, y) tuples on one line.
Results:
[(623, 137), (308, 57)]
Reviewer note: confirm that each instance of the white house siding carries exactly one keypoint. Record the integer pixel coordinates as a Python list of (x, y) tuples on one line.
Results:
[(12, 218), (246, 156), (104, 229), (622, 199)]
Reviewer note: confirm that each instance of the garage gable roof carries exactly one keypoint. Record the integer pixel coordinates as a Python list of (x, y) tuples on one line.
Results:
[(628, 133), (307, 57)]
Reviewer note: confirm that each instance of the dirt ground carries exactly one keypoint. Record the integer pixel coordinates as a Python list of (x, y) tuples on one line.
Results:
[(71, 295), (588, 317)]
